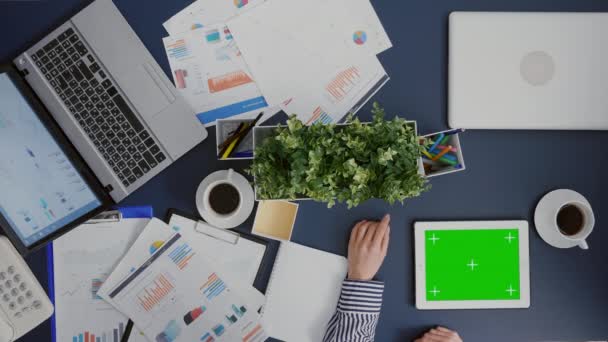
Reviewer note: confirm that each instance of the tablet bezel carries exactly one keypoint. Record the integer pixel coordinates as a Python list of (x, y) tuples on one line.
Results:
[(420, 260)]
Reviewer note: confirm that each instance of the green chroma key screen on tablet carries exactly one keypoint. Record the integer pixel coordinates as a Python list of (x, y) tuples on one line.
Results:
[(480, 264)]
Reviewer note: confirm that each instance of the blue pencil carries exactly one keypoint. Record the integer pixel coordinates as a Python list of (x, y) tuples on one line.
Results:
[(437, 140), (450, 157)]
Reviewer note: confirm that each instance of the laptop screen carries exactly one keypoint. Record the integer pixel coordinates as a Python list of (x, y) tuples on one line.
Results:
[(40, 189)]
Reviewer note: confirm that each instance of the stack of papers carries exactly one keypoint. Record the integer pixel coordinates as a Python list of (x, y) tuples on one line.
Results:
[(174, 291), (206, 65), (316, 59), (82, 259)]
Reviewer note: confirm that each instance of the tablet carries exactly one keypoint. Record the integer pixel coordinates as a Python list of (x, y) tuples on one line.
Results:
[(472, 265)]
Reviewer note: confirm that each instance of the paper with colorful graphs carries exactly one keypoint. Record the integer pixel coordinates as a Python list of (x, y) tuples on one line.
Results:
[(82, 260), (177, 296), (344, 91), (209, 71), (202, 13), (290, 45), (239, 272)]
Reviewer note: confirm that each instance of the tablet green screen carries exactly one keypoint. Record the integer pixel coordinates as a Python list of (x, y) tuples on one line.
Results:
[(477, 264)]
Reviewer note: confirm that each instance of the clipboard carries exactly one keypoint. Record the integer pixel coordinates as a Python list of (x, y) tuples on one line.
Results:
[(230, 237), (105, 217)]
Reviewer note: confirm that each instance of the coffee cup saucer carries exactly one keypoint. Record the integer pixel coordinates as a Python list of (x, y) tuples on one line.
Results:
[(242, 213), (546, 210)]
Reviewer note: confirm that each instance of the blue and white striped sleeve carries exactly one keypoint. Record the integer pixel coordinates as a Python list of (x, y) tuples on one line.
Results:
[(357, 313)]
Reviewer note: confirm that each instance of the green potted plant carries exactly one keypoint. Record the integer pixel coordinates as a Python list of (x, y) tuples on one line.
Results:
[(348, 163)]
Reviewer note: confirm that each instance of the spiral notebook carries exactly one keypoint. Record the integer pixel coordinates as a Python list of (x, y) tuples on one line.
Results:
[(302, 293)]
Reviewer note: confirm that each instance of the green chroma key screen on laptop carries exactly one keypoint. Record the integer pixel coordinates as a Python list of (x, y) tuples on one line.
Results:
[(480, 264)]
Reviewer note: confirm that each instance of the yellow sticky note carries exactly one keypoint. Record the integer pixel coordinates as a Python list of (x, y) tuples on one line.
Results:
[(275, 219)]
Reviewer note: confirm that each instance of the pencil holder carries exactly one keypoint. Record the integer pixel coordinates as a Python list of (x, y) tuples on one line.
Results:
[(223, 130), (444, 155)]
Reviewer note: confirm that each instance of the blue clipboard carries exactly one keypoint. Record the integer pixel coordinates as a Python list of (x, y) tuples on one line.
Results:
[(126, 212)]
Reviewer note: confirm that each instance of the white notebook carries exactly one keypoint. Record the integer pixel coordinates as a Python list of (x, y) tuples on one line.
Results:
[(302, 293)]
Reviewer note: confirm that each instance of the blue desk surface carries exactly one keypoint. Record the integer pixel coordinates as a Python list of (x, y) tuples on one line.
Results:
[(508, 172)]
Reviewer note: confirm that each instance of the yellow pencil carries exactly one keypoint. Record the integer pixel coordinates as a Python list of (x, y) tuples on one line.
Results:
[(230, 148), (427, 154)]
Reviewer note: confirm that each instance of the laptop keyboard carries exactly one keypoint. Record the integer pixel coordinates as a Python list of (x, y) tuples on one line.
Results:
[(101, 111)]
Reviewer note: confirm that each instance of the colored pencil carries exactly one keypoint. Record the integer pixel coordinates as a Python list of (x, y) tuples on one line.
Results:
[(427, 154), (447, 156), (452, 149), (448, 161), (430, 162), (439, 137), (442, 153)]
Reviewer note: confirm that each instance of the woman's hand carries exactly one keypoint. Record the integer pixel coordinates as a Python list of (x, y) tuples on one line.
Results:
[(440, 334), (367, 248)]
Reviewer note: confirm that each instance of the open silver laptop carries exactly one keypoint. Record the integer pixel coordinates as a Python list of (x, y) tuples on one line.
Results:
[(110, 98)]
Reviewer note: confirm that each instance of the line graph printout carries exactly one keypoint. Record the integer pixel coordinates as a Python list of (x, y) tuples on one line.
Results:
[(83, 259), (210, 73), (173, 304)]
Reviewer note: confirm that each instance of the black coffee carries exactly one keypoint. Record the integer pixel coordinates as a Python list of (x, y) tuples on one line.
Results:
[(570, 220), (224, 199)]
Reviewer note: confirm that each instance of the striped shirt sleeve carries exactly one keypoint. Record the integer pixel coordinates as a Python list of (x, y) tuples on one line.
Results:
[(357, 313)]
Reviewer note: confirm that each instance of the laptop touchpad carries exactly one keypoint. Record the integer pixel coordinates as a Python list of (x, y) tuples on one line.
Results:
[(145, 90)]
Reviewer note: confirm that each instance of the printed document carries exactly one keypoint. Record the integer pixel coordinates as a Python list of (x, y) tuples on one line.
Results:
[(203, 13), (343, 92), (290, 45), (153, 237), (209, 71), (176, 296), (82, 260)]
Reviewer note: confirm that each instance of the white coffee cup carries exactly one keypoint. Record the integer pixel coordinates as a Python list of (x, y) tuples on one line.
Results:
[(229, 181), (546, 219), (586, 226), (235, 217)]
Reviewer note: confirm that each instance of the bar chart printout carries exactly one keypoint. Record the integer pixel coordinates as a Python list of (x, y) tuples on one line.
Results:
[(343, 83), (152, 294), (96, 284), (171, 304), (107, 336), (213, 287), (181, 255), (319, 115)]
